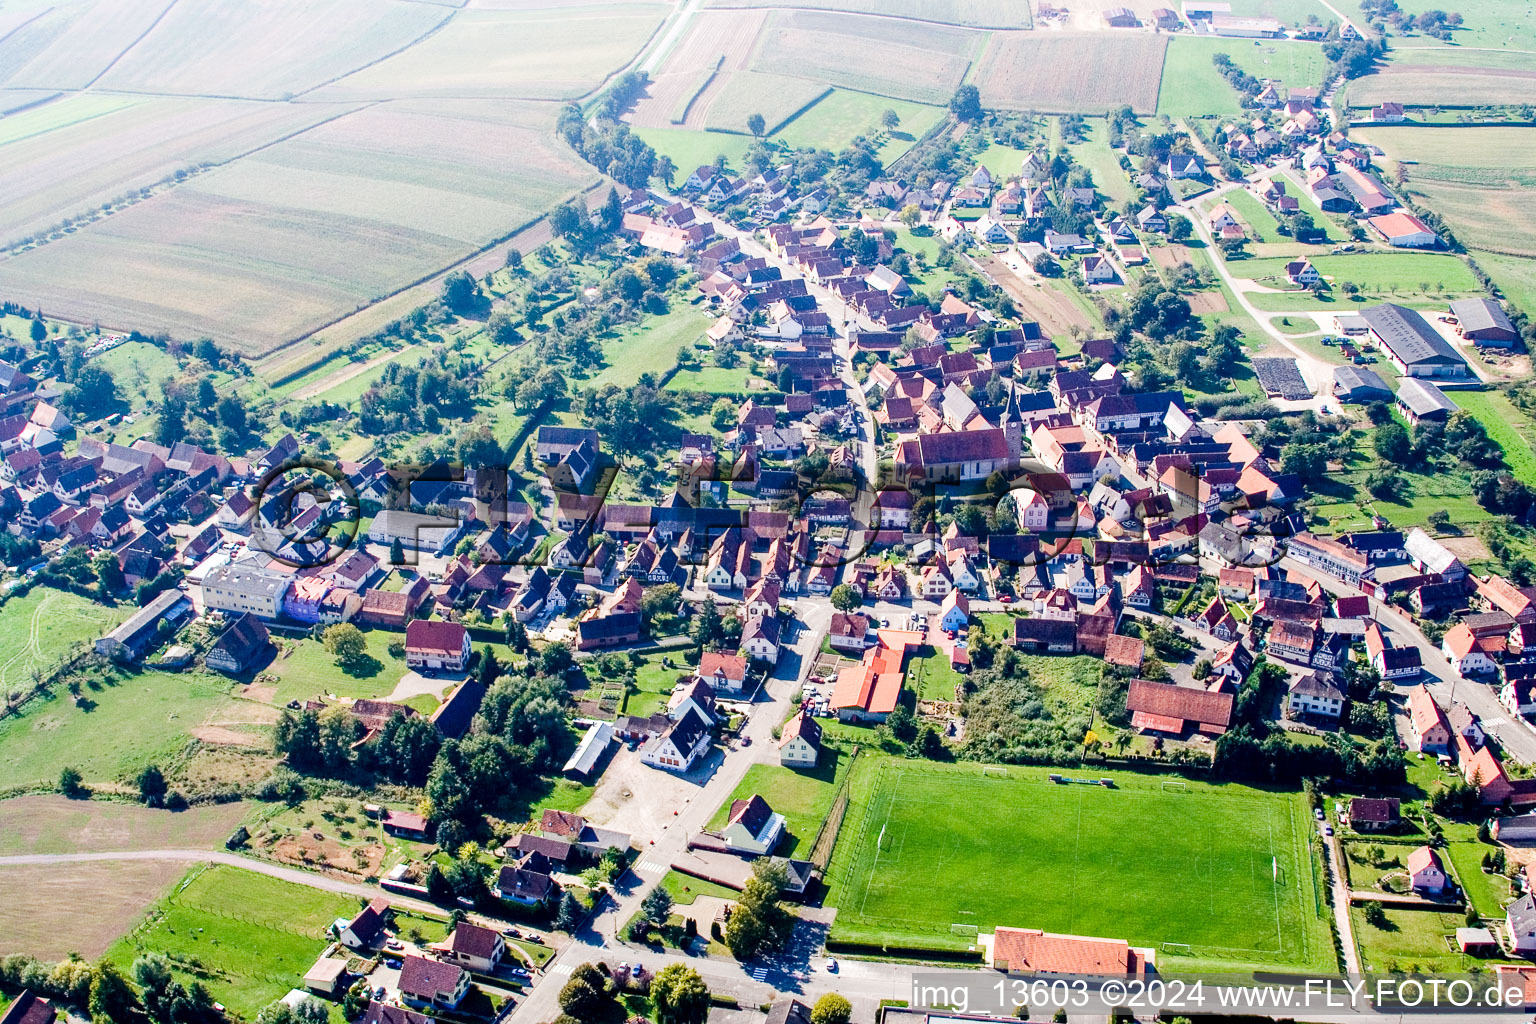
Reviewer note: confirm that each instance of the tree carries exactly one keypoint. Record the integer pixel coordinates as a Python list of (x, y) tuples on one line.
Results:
[(902, 724), (39, 329), (846, 597), (346, 642), (568, 914), (966, 103), (231, 413), (1178, 229), (831, 1009), (151, 785), (1375, 915), (889, 119), (71, 781), (109, 575), (396, 552), (93, 392), (206, 395), (657, 905), (111, 996), (589, 997), (679, 995), (759, 923), (1392, 443), (460, 292), (756, 125)]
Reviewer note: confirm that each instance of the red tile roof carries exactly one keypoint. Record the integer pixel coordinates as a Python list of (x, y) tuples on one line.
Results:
[(1032, 950), (1211, 711), (434, 637)]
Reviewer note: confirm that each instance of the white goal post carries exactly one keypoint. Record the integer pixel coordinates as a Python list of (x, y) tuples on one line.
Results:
[(995, 772), (1177, 949), (1175, 787)]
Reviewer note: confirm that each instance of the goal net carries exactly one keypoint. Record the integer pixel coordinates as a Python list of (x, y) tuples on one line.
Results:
[(1177, 949), (1175, 787), (996, 773), (968, 930), (880, 843)]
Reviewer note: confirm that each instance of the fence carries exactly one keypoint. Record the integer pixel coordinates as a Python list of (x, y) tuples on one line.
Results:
[(826, 836)]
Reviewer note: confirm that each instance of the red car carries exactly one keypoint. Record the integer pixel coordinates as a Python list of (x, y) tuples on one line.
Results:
[(1006, 599)]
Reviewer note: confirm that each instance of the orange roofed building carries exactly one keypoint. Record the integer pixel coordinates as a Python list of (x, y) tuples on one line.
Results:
[(868, 691), (1030, 950)]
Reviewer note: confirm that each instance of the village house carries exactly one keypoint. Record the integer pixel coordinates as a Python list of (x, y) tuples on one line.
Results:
[(800, 742), (753, 828), (435, 646)]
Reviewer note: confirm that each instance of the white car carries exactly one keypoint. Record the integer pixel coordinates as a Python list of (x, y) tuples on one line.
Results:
[(831, 965)]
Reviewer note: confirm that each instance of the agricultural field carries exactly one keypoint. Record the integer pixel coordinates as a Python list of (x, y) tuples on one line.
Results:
[(709, 58), (280, 243), (1291, 12), (1479, 179), (689, 148), (1062, 73), (803, 796), (1495, 24), (120, 723), (48, 174), (52, 910), (973, 13), (227, 48), (39, 630), (1439, 78), (1231, 876), (728, 102), (840, 116), (69, 45), (254, 936), (510, 53), (903, 60), (48, 823), (1191, 86), (1515, 276)]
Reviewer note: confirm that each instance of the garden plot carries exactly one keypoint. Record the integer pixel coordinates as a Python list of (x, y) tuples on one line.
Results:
[(1281, 379)]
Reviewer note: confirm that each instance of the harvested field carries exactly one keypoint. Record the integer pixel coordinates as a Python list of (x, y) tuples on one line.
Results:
[(972, 13), (267, 51), (53, 909), (718, 45), (1431, 85), (908, 60), (71, 44), (552, 54), (54, 824), (49, 168), (730, 100), (1169, 256), (283, 242), (1063, 73), (1207, 302)]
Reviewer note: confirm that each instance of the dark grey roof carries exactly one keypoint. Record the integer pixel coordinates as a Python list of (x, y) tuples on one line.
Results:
[(1408, 335), (686, 731), (1357, 378), (1423, 399), (1319, 684), (1522, 913), (1481, 315)]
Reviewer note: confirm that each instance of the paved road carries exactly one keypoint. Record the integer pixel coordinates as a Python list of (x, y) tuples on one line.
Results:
[(599, 940), (1340, 885), (261, 867), (1515, 738)]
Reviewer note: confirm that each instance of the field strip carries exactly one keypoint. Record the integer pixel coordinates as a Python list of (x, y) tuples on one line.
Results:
[(428, 34), (339, 378), (873, 14), (136, 41)]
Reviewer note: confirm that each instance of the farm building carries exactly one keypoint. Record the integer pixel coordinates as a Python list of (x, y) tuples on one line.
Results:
[(1420, 401), (1484, 321), (1411, 344), (1166, 708), (415, 530), (1404, 230), (1232, 26), (1358, 384), (129, 641), (240, 646), (590, 750), (437, 646)]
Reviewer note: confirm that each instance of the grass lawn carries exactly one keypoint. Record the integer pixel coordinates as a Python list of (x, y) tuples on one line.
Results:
[(139, 368), (690, 147), (803, 796), (833, 122), (1488, 892), (1375, 272), (1071, 684), (38, 630), (1350, 504), (713, 379), (1254, 213), (1003, 162), (1411, 937), (1229, 873), (650, 346), (654, 682), (304, 668), (1191, 85), (251, 937), (932, 675), (686, 888), (1104, 163), (1506, 425), (1515, 276), (122, 723)]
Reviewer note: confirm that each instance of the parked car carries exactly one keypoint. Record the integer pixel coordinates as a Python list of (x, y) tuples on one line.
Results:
[(831, 965)]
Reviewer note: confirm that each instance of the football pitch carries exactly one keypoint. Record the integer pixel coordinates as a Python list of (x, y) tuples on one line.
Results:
[(929, 855)]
